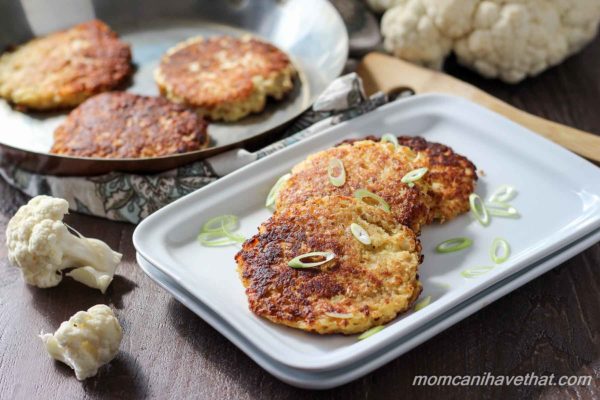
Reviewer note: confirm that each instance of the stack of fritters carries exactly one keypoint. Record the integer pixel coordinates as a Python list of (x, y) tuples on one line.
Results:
[(365, 285)]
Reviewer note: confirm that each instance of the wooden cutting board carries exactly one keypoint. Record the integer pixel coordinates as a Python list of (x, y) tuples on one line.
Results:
[(381, 72)]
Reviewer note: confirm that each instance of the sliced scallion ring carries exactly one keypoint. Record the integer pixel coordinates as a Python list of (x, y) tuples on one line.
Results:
[(503, 210), (339, 315), (360, 233), (370, 332), (215, 239), (503, 194), (478, 209), (476, 271), (454, 244), (323, 256), (423, 303), (336, 172), (500, 251), (217, 224), (371, 199), (388, 137), (414, 175), (272, 196), (233, 236)]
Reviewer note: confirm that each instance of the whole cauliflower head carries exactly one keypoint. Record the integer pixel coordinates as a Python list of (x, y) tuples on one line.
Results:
[(40, 244), (505, 39), (87, 341)]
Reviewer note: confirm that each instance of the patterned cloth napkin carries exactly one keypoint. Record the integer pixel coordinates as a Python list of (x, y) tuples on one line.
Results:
[(132, 197)]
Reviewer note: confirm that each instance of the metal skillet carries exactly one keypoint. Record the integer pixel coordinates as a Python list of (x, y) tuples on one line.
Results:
[(310, 31)]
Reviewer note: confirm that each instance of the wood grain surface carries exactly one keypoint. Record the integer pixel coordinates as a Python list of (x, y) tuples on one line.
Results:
[(549, 326)]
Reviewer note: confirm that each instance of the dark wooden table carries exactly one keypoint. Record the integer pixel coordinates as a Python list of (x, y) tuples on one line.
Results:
[(551, 325)]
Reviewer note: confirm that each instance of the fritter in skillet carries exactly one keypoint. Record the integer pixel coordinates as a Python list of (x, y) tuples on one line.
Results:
[(63, 69), (125, 125), (376, 167), (365, 285), (225, 78), (452, 176)]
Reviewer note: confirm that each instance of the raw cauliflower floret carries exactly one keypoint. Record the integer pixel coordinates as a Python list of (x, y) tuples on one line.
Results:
[(87, 341), (40, 244), (506, 39)]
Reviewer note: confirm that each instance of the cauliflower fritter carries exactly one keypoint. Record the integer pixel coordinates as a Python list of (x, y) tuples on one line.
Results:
[(125, 125), (225, 78), (362, 287), (376, 167), (452, 177), (65, 68)]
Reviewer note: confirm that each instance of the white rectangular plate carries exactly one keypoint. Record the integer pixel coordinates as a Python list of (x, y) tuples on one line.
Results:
[(559, 200), (328, 379)]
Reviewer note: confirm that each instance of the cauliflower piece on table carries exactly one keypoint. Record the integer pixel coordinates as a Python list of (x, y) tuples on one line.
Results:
[(87, 341), (505, 39), (40, 244)]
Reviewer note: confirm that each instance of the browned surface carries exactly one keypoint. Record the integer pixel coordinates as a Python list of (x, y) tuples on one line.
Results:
[(452, 175), (213, 71), (124, 125), (376, 167), (372, 282), (550, 325), (65, 68)]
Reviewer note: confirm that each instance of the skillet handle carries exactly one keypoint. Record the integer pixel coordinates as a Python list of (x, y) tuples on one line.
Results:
[(381, 72)]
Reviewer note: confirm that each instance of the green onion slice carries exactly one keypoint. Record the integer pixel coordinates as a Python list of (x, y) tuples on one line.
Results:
[(217, 224), (233, 236), (372, 199), (272, 196), (423, 303), (479, 210), (321, 258), (503, 194), (503, 210), (476, 271), (370, 332), (360, 234), (336, 166), (339, 315), (215, 239), (454, 244), (414, 175), (388, 137), (500, 251)]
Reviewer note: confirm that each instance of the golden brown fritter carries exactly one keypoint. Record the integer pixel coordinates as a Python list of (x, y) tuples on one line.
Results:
[(125, 125), (226, 78), (63, 69), (452, 176), (376, 167), (362, 287)]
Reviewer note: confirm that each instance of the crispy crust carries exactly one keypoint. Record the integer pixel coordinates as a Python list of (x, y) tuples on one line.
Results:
[(373, 282), (377, 167), (124, 125), (65, 68), (226, 78), (452, 176)]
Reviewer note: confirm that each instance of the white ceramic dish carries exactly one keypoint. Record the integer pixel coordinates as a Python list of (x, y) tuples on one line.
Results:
[(559, 200), (330, 379)]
